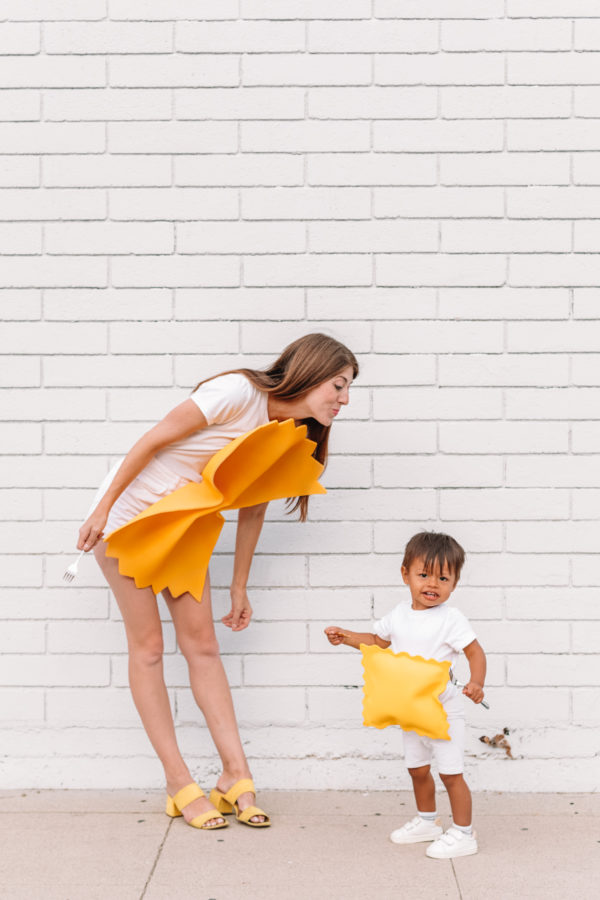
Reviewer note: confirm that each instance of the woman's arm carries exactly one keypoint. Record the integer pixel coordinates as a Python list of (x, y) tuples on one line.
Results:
[(176, 425), (336, 635), (250, 523), (477, 664)]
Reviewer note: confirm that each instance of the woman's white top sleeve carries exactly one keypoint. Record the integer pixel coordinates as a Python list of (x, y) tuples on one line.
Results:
[(231, 406)]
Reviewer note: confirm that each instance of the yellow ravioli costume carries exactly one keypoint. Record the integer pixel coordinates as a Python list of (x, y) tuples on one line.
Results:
[(404, 690), (170, 543)]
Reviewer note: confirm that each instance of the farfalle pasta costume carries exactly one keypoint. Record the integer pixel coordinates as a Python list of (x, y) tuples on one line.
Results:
[(404, 690), (170, 543)]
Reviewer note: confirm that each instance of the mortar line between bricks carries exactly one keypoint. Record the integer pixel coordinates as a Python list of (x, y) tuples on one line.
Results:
[(158, 853)]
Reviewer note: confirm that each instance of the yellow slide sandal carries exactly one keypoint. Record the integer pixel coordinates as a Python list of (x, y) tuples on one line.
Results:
[(227, 803), (186, 796)]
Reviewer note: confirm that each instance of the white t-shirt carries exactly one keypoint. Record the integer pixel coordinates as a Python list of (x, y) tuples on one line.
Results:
[(437, 633), (232, 406)]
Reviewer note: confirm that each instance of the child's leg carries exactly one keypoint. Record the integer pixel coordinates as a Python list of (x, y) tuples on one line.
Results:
[(460, 839), (423, 788), (460, 799), (424, 826), (450, 759)]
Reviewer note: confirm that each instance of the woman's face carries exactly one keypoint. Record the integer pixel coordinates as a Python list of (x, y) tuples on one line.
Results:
[(323, 403)]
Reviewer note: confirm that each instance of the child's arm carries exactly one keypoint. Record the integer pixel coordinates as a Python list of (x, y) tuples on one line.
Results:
[(336, 635), (477, 664)]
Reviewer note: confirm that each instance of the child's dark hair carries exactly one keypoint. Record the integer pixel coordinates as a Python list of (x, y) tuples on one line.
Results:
[(435, 548)]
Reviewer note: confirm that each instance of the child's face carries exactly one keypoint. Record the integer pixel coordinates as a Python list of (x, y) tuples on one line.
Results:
[(428, 589)]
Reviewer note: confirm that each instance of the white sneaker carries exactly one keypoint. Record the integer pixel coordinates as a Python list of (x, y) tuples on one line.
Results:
[(417, 830), (453, 843)]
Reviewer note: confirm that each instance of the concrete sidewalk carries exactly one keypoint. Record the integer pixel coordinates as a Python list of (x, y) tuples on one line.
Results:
[(119, 845)]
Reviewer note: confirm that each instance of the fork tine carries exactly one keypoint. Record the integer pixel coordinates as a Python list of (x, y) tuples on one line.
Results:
[(71, 571)]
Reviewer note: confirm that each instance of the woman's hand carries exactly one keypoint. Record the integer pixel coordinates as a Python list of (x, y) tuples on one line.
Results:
[(241, 611), (92, 530), (474, 691)]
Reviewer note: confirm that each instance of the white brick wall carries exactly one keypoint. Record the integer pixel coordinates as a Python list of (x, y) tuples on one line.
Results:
[(190, 185)]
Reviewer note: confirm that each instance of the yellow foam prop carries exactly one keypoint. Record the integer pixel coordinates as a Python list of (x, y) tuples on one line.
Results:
[(169, 545), (404, 690)]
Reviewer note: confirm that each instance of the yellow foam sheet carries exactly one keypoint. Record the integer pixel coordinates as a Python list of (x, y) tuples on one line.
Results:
[(404, 690), (170, 543)]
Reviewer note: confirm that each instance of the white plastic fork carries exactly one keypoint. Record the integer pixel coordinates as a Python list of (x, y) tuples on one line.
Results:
[(461, 684), (71, 572)]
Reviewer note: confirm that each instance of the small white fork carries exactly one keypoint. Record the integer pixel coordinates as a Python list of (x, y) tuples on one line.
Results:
[(461, 684), (71, 572)]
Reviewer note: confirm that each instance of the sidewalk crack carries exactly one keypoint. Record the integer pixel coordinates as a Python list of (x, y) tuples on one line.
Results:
[(460, 896), (160, 849)]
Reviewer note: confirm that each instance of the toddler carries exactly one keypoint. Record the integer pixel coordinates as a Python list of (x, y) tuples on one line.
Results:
[(425, 626)]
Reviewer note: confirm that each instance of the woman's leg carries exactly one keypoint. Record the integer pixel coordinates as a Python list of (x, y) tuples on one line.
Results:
[(198, 642), (144, 638)]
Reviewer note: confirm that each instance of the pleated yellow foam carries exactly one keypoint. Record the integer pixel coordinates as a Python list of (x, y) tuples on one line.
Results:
[(400, 689), (169, 545)]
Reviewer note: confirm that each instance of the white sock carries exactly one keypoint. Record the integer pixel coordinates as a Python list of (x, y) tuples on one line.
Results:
[(466, 829), (428, 816)]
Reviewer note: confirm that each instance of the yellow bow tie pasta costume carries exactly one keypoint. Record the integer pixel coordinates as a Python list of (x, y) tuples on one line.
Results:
[(404, 690), (169, 545)]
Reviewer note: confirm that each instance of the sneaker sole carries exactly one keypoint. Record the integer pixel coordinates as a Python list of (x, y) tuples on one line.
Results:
[(470, 852), (420, 839)]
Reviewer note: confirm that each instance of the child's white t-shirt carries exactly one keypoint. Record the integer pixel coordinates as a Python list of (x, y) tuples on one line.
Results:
[(232, 405), (440, 632)]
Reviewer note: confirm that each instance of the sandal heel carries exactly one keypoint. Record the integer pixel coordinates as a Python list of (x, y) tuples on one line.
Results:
[(220, 803), (171, 809)]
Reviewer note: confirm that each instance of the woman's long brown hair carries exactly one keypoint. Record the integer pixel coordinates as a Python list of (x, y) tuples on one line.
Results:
[(302, 366)]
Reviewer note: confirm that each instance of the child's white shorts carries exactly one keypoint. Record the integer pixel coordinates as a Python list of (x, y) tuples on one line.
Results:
[(448, 755)]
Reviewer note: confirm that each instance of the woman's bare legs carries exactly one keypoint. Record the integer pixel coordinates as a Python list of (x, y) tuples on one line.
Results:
[(198, 642), (144, 637)]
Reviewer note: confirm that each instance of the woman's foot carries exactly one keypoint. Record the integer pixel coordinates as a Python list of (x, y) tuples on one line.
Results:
[(226, 782), (196, 807)]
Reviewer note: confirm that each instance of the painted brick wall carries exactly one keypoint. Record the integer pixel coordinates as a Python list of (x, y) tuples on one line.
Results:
[(190, 184)]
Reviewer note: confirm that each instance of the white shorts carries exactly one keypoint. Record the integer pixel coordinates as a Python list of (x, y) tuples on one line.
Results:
[(152, 484), (448, 755)]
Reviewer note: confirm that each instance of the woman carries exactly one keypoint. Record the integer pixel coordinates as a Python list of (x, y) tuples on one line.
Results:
[(309, 383)]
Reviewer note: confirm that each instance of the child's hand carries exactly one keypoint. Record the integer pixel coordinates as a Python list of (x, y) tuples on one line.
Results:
[(474, 691), (335, 635)]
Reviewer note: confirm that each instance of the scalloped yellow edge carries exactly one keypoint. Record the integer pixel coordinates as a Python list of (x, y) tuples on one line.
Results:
[(400, 689), (170, 543)]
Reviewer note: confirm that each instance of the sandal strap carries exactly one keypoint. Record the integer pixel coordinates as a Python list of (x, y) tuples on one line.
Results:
[(187, 795), (243, 786), (251, 811), (200, 821)]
